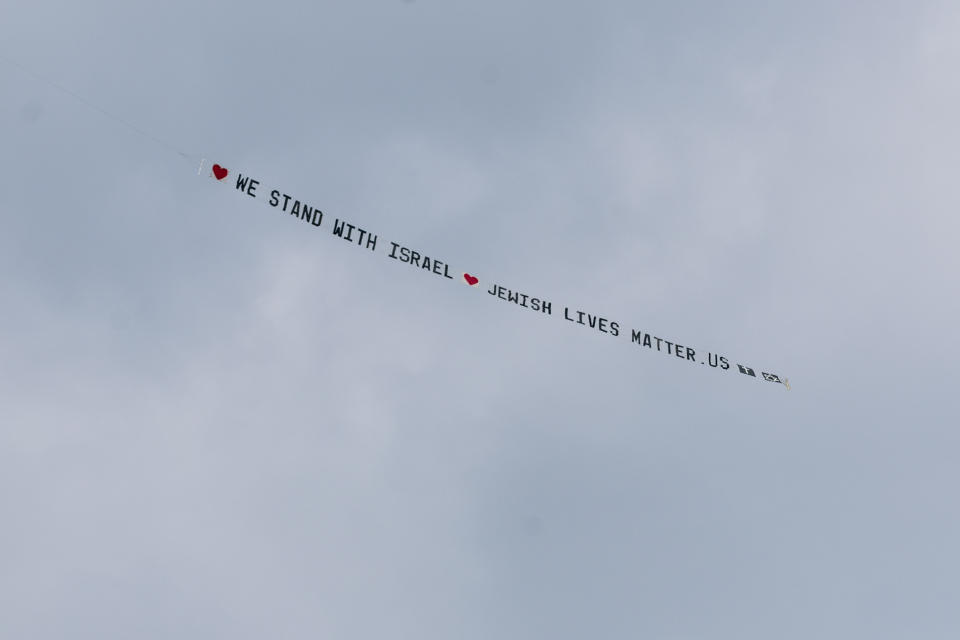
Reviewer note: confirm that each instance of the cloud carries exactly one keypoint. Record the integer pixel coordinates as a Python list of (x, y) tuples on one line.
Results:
[(218, 421)]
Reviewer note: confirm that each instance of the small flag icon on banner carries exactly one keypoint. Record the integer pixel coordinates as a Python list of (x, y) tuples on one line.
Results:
[(771, 377), (747, 370)]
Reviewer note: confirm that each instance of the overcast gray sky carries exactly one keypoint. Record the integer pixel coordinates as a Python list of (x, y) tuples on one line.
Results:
[(219, 422)]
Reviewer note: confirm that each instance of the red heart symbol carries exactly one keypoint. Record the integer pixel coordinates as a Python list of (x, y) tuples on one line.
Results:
[(470, 279), (219, 172)]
